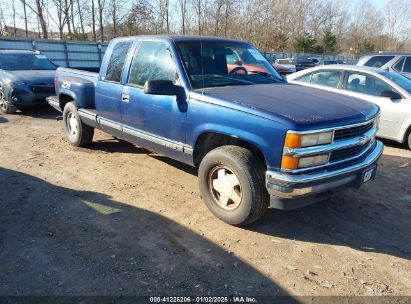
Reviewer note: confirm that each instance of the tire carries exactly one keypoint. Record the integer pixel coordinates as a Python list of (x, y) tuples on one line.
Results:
[(77, 133), (409, 140), (6, 107), (248, 197)]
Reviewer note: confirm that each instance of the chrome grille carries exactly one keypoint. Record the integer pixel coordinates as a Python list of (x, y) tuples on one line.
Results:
[(341, 134), (346, 153)]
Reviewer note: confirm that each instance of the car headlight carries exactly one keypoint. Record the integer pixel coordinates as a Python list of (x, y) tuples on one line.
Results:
[(293, 140), (312, 161)]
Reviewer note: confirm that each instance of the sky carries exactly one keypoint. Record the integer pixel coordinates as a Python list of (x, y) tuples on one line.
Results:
[(379, 3)]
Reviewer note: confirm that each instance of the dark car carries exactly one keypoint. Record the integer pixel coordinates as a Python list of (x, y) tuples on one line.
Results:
[(302, 63), (26, 79)]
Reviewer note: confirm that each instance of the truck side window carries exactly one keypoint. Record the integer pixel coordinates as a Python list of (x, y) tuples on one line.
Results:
[(152, 61), (116, 62)]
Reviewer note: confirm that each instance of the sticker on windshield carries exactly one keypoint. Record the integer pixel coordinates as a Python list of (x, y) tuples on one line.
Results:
[(256, 55), (41, 56)]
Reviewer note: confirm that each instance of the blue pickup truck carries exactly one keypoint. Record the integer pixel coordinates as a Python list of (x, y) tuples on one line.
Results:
[(257, 141)]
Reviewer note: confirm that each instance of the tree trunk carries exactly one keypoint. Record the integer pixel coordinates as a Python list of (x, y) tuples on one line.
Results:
[(93, 20), (41, 19), (72, 18), (25, 18), (80, 15), (67, 14), (100, 15)]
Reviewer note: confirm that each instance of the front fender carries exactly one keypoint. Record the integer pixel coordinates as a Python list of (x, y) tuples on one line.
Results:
[(267, 135)]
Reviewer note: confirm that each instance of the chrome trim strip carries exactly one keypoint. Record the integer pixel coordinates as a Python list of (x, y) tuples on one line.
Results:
[(160, 141), (284, 178), (295, 171), (109, 123), (334, 128), (188, 150), (86, 114), (341, 144)]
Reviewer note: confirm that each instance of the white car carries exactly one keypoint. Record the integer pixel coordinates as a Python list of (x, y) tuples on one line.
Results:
[(389, 90)]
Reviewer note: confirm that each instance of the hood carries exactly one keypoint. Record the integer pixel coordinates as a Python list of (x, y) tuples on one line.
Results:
[(306, 107), (32, 76)]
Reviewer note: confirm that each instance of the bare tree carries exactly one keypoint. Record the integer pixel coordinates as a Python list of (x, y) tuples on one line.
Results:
[(397, 20), (183, 5), (93, 20), (100, 4), (80, 15)]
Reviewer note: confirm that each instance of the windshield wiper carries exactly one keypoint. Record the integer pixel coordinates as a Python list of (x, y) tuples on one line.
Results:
[(229, 78), (267, 74)]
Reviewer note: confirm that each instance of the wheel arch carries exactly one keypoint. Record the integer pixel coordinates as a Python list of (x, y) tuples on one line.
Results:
[(64, 98), (210, 140)]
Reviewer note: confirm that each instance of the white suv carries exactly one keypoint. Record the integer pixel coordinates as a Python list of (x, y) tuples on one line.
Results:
[(398, 62)]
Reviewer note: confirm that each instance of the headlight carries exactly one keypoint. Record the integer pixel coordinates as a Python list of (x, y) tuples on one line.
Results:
[(308, 140), (313, 161), (293, 141), (292, 163)]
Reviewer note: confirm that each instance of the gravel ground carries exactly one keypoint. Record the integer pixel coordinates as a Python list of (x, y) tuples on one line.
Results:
[(114, 219)]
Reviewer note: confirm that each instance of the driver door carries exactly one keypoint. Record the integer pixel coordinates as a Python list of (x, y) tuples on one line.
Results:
[(157, 122)]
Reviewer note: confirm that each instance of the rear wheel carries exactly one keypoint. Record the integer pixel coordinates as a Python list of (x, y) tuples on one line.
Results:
[(232, 185), (78, 134), (5, 107)]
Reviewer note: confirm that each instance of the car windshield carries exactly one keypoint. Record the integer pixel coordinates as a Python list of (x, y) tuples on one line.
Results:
[(225, 63), (19, 62), (402, 81)]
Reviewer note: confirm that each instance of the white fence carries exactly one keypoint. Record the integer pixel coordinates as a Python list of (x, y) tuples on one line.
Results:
[(72, 54)]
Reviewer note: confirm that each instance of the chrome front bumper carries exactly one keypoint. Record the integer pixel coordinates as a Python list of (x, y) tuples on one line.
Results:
[(285, 188)]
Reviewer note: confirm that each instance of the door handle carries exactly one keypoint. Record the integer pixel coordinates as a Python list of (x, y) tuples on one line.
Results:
[(125, 97)]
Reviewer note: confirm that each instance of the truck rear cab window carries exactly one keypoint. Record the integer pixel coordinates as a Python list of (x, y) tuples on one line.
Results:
[(378, 61), (116, 62), (152, 61)]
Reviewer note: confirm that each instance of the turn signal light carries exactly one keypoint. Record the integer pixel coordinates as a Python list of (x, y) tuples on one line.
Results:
[(289, 162)]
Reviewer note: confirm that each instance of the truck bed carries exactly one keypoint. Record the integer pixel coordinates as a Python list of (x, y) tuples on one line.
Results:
[(68, 72)]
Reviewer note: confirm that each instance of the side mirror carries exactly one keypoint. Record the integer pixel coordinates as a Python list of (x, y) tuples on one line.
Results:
[(162, 87), (238, 62), (391, 95)]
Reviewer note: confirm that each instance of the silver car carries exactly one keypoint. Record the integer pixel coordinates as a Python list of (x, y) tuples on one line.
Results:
[(398, 62), (389, 90)]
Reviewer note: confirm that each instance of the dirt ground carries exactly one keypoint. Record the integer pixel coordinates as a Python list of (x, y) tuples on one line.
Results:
[(114, 219)]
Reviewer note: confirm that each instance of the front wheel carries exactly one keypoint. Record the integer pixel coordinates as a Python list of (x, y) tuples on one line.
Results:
[(5, 107), (78, 134), (232, 185), (409, 140)]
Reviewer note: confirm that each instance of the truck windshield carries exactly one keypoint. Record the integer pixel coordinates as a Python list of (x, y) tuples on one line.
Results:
[(19, 62), (225, 63)]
